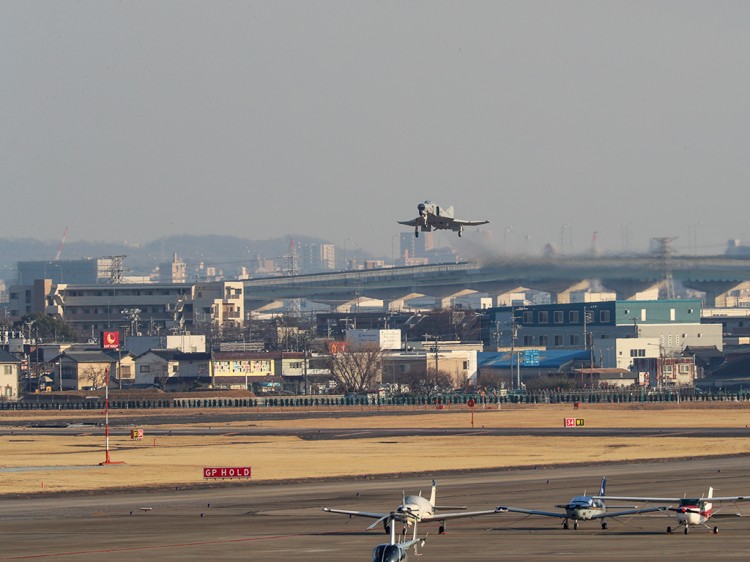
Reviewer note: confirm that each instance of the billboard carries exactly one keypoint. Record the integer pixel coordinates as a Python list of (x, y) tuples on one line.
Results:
[(110, 340)]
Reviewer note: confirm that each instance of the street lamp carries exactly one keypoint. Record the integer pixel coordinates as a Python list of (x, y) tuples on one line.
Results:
[(393, 254)]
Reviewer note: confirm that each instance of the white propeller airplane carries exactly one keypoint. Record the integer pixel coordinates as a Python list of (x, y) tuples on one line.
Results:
[(583, 508), (434, 217), (690, 511), (396, 551), (413, 509)]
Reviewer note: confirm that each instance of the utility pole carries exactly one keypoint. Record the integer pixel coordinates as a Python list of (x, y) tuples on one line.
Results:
[(513, 334)]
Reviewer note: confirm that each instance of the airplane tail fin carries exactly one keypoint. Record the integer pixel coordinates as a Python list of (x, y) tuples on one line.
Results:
[(433, 494), (448, 212), (710, 493), (603, 487)]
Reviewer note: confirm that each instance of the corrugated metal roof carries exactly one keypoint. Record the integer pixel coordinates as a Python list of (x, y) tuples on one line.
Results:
[(548, 358)]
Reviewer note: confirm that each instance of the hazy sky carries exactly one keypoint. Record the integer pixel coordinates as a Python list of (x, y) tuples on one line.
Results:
[(552, 119)]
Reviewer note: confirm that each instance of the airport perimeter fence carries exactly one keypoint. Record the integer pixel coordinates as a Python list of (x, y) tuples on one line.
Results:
[(441, 401)]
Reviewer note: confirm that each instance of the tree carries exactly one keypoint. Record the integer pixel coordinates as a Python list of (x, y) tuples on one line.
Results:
[(357, 367), (46, 328), (430, 382), (93, 376)]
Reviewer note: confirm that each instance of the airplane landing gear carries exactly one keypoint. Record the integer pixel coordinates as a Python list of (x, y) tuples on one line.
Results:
[(565, 524), (604, 525), (669, 530), (441, 529), (575, 525), (686, 529), (715, 530)]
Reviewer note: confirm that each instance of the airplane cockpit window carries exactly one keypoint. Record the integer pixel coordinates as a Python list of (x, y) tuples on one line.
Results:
[(688, 502)]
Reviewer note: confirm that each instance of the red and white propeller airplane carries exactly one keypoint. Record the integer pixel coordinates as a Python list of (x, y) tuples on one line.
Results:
[(690, 511)]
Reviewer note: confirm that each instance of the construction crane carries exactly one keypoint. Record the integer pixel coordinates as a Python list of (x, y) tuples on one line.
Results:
[(62, 243)]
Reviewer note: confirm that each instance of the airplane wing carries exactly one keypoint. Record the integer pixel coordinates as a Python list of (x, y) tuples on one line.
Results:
[(673, 500), (469, 223), (412, 222), (628, 512), (532, 511), (639, 499), (356, 513), (456, 515)]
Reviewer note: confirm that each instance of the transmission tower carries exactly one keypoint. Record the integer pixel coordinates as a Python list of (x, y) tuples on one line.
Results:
[(662, 247), (295, 305), (116, 270)]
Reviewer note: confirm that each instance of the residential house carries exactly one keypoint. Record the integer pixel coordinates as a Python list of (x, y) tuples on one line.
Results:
[(10, 367)]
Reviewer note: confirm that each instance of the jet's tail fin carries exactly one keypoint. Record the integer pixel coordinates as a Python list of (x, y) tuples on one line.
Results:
[(433, 494), (603, 487), (448, 212)]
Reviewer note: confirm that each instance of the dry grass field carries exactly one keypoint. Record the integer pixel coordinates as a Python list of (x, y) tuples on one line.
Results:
[(32, 463)]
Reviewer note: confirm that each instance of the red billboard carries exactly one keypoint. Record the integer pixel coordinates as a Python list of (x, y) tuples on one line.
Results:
[(227, 472), (110, 340)]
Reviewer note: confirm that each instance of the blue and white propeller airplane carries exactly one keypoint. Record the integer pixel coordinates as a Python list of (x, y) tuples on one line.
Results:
[(583, 508)]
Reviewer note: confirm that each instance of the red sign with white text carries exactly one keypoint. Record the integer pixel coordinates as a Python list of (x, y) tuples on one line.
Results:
[(110, 340), (227, 472)]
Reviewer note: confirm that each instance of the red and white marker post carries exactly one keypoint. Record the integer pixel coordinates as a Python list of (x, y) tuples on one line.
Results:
[(107, 460)]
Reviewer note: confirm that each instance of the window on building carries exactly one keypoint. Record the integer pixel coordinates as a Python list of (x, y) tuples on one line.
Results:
[(295, 365), (643, 315), (604, 316), (465, 365), (574, 317), (667, 369), (672, 314), (528, 317), (683, 369), (638, 353), (528, 340), (543, 317), (558, 341), (574, 339), (145, 368), (559, 317), (543, 340)]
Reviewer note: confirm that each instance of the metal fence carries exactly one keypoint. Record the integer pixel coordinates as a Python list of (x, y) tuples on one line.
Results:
[(439, 401)]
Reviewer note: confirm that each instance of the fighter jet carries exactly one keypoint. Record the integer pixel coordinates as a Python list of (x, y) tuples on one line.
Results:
[(434, 217)]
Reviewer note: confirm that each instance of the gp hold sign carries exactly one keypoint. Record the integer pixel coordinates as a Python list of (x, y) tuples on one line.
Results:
[(573, 422), (227, 472)]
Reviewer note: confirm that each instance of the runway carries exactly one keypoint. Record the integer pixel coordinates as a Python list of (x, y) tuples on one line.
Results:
[(284, 522)]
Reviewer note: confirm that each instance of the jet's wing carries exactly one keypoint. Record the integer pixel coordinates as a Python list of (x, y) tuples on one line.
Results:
[(356, 513), (469, 223), (628, 512), (455, 515), (412, 222), (532, 511)]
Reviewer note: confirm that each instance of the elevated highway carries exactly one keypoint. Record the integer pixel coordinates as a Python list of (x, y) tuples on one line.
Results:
[(626, 275)]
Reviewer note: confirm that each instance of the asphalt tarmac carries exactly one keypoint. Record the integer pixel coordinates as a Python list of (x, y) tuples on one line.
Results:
[(284, 522)]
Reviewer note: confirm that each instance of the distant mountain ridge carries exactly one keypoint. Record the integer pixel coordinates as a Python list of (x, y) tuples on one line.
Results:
[(228, 253)]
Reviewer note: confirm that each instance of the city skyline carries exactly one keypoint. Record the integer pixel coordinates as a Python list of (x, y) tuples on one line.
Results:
[(560, 123)]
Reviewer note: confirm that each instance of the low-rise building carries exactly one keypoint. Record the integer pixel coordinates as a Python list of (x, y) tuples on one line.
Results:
[(10, 367)]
